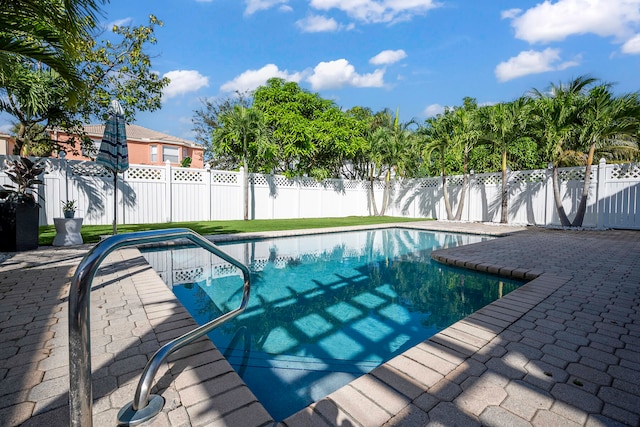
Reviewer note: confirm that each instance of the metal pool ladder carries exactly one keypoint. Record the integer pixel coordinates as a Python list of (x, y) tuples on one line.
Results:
[(144, 405)]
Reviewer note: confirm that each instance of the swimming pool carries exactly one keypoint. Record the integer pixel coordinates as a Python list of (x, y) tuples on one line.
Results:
[(326, 309)]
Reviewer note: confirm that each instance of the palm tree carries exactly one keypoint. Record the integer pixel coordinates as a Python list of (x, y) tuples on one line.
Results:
[(553, 124), (243, 132), (572, 120), (450, 139), (35, 97), (467, 134), (438, 133), (390, 148), (505, 126), (603, 117), (46, 31)]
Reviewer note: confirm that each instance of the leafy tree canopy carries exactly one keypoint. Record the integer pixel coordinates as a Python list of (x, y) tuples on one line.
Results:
[(38, 96), (50, 32), (314, 136)]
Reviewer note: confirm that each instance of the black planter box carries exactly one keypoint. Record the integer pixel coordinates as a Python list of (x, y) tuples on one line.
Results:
[(18, 226)]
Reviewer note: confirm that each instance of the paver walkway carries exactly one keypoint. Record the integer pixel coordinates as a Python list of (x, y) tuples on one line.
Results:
[(562, 350)]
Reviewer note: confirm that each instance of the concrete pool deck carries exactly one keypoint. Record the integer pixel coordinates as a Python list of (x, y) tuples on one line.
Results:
[(564, 349)]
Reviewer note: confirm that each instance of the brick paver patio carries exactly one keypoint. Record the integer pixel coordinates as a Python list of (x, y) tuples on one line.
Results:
[(562, 350)]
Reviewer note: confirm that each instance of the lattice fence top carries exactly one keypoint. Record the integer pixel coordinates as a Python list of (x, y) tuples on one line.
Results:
[(89, 169), (492, 179), (573, 174), (142, 173), (283, 181), (430, 183), (455, 180), (219, 177), (309, 183), (379, 185), (258, 179), (188, 175), (351, 184), (189, 275), (630, 171), (224, 270), (528, 177), (333, 184)]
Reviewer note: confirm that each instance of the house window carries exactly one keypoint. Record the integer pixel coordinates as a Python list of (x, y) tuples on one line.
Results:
[(170, 153), (185, 152), (154, 153)]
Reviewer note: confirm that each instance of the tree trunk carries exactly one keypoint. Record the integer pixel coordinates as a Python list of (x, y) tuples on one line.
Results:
[(504, 191), (582, 207), (385, 195), (372, 198), (463, 194), (445, 195), (564, 220), (246, 182), (19, 141)]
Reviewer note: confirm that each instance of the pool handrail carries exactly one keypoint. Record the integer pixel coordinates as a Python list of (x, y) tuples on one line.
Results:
[(80, 389)]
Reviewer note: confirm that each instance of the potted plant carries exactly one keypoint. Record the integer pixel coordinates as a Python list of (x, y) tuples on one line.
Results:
[(69, 208), (19, 209)]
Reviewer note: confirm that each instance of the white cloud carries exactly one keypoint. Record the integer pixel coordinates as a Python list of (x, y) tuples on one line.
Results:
[(317, 24), (120, 23), (547, 22), (374, 11), (433, 110), (510, 14), (184, 81), (339, 73), (252, 79), (632, 46), (531, 62), (254, 6), (388, 57)]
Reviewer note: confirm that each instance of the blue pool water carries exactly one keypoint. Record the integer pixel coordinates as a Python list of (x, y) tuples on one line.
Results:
[(326, 309)]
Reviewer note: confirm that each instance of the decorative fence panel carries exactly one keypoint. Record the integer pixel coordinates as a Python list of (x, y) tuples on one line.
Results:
[(145, 195), (618, 196), (157, 194)]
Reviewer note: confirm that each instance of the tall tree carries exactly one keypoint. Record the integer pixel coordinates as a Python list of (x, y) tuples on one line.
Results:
[(450, 139), (33, 98), (573, 120), (206, 120), (391, 147), (119, 66), (467, 134), (603, 117), (38, 96), (505, 126), (313, 135), (243, 130), (438, 134), (555, 124)]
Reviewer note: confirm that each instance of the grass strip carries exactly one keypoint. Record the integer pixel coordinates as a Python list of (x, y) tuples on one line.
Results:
[(93, 233)]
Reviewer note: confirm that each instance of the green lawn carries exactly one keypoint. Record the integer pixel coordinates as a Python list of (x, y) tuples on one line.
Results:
[(92, 233)]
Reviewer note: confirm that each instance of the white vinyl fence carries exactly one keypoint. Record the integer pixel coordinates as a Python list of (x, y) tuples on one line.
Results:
[(159, 194)]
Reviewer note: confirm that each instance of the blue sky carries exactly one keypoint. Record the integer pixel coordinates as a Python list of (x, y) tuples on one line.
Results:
[(414, 55)]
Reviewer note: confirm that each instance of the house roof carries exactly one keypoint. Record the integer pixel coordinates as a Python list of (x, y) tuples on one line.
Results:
[(142, 134)]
